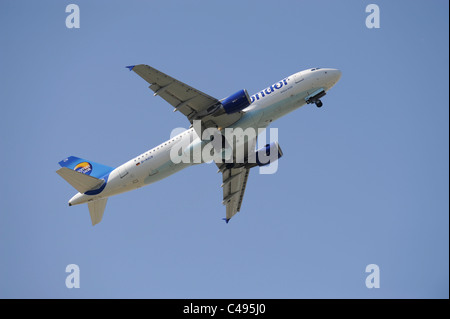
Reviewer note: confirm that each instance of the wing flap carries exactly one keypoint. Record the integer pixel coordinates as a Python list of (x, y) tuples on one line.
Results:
[(234, 184)]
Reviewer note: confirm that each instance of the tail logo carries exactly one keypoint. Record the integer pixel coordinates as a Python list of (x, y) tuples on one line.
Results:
[(84, 167)]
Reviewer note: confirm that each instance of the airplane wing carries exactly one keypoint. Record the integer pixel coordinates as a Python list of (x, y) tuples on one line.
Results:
[(234, 182), (194, 104)]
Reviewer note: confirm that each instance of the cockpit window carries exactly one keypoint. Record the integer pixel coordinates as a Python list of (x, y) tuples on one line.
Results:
[(315, 69)]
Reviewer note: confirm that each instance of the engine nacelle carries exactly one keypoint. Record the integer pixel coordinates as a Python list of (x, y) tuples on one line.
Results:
[(236, 102), (268, 154), (262, 157)]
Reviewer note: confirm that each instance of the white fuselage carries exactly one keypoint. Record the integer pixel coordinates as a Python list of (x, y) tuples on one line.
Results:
[(267, 105)]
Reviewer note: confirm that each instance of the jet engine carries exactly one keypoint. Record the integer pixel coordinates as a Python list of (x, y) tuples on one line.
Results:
[(268, 154), (262, 157), (234, 103)]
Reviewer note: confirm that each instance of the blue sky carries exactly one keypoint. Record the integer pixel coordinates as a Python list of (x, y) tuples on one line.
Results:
[(364, 180)]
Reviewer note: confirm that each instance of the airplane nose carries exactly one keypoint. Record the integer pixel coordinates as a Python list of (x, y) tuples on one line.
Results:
[(332, 76), (335, 74)]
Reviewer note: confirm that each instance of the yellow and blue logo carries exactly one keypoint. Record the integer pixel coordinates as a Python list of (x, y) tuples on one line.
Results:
[(84, 167)]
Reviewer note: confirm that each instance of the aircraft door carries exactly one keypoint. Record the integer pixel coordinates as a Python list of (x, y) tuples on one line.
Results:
[(123, 171), (298, 77)]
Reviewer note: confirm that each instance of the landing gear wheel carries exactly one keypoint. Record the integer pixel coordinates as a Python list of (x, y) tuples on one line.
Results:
[(319, 103)]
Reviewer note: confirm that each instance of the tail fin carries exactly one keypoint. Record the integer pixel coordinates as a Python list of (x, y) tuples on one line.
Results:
[(86, 167), (96, 209), (86, 176)]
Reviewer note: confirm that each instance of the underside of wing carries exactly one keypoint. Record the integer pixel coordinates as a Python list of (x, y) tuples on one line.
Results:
[(184, 98), (234, 183), (194, 104)]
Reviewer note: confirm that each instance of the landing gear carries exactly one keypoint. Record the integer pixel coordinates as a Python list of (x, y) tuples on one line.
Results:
[(315, 97)]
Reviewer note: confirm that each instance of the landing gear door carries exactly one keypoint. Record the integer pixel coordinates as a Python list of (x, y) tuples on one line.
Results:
[(298, 77), (123, 171)]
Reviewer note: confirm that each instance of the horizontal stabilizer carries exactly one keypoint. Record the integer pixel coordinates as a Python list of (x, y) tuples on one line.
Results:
[(96, 209), (81, 182)]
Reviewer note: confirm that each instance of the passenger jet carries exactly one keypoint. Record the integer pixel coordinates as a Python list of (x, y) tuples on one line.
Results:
[(95, 182)]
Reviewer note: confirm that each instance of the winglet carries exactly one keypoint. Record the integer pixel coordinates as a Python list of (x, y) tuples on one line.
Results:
[(131, 67), (226, 220)]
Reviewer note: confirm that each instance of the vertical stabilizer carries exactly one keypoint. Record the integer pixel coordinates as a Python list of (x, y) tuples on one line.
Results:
[(86, 167)]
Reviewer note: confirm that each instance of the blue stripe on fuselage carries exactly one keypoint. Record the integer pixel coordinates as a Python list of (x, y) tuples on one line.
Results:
[(98, 190)]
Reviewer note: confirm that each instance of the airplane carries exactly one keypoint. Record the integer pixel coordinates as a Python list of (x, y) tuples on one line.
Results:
[(95, 182)]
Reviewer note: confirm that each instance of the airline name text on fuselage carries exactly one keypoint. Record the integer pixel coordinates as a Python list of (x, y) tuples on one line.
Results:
[(269, 90)]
